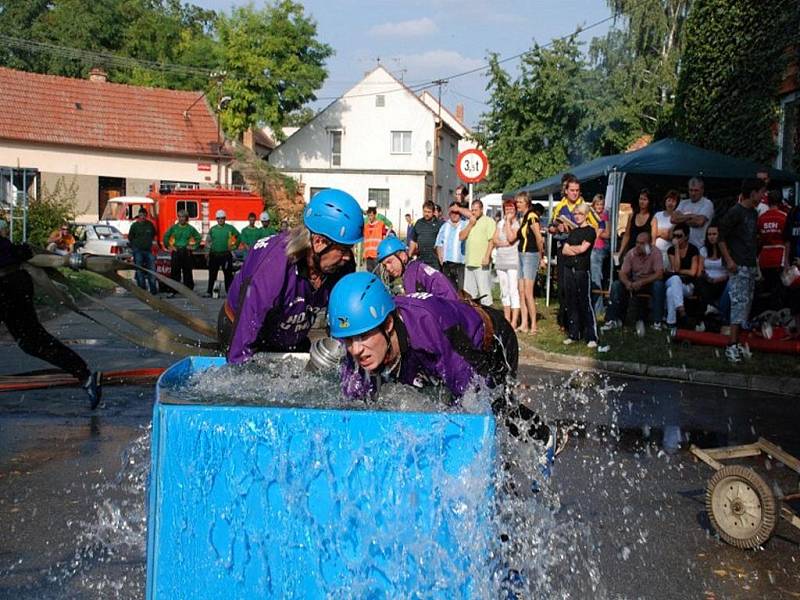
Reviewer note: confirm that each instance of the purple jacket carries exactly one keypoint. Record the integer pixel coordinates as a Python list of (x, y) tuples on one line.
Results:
[(426, 354), (420, 277), (273, 301)]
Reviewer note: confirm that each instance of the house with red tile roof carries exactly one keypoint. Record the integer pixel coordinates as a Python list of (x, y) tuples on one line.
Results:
[(110, 139)]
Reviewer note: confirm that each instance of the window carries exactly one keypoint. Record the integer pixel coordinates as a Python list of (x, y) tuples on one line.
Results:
[(314, 191), (336, 148), (441, 150), (18, 185), (380, 196), (452, 154), (401, 142), (380, 100), (189, 207)]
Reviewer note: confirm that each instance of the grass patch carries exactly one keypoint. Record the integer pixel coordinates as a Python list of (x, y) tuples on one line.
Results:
[(655, 348)]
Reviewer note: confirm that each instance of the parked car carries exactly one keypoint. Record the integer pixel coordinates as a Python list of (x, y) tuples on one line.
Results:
[(101, 240)]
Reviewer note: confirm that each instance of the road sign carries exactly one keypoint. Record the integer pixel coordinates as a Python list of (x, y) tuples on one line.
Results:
[(472, 165)]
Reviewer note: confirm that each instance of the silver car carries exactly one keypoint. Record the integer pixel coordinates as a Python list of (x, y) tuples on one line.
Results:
[(100, 239)]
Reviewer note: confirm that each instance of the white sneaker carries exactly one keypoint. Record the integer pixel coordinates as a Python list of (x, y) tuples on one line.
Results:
[(700, 327), (613, 324), (733, 354), (640, 328), (568, 341), (744, 350), (712, 310), (591, 344), (657, 326)]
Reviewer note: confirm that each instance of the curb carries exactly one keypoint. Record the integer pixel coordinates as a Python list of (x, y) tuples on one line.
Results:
[(783, 386)]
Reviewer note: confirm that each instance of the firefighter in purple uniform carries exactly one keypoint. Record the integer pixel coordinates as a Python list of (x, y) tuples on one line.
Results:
[(287, 279), (417, 276), (417, 340)]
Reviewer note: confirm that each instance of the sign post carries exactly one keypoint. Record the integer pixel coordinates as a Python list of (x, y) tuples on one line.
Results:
[(471, 167)]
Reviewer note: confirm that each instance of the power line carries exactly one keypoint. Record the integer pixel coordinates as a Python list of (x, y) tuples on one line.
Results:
[(95, 58)]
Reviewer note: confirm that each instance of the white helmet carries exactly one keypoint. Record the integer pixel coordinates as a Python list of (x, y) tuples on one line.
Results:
[(221, 214), (264, 216), (372, 204)]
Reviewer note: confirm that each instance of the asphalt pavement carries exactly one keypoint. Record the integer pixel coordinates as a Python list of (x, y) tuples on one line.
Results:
[(628, 514)]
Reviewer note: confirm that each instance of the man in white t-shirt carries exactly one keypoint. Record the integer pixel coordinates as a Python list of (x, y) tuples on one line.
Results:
[(696, 211)]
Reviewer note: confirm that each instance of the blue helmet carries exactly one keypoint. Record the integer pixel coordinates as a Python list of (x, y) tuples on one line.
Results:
[(359, 302), (390, 245), (336, 215)]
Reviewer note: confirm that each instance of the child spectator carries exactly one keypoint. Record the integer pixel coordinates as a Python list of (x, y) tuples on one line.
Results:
[(738, 245), (684, 267), (600, 250), (374, 232), (576, 254)]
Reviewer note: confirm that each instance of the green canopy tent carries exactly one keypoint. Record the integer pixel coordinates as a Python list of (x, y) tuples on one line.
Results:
[(661, 165)]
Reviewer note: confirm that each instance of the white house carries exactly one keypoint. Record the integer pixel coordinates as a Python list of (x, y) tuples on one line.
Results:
[(455, 121), (380, 142)]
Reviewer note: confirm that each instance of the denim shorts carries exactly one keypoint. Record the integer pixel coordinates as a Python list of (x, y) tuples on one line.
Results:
[(528, 265)]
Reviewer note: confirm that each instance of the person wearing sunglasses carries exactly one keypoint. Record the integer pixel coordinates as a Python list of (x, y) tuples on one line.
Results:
[(682, 272), (286, 279), (61, 241)]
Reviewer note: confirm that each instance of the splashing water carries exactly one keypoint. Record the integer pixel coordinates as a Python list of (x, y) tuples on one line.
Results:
[(539, 548)]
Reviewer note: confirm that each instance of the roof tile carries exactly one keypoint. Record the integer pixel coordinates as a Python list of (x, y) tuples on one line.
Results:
[(95, 114)]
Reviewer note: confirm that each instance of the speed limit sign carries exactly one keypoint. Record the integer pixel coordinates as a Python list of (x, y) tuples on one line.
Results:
[(472, 165)]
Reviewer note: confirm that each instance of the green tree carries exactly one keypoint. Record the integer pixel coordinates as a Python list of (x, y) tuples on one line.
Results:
[(635, 72), (16, 19), (532, 127), (730, 73), (163, 31), (273, 63)]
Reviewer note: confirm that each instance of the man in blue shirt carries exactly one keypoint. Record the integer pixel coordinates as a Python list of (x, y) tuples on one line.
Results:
[(449, 246)]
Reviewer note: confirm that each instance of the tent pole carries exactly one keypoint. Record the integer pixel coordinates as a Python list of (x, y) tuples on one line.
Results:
[(613, 196), (549, 247)]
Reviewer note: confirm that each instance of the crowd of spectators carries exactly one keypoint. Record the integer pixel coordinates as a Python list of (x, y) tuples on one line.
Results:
[(680, 263)]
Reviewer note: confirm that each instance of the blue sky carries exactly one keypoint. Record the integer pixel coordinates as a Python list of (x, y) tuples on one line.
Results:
[(422, 40)]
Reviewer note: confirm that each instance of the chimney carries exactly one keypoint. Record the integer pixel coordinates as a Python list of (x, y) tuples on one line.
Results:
[(460, 113), (98, 74)]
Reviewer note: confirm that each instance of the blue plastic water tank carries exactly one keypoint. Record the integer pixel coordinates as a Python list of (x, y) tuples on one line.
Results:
[(276, 502)]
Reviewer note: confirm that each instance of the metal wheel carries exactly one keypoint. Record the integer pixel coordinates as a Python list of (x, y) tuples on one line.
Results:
[(741, 506)]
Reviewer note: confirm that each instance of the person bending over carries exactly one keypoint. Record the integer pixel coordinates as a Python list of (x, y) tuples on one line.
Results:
[(287, 279), (416, 275)]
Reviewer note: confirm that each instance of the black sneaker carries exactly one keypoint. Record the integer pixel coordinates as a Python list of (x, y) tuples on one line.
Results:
[(94, 389)]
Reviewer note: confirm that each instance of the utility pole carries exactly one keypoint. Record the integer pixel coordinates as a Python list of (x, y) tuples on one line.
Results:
[(436, 130)]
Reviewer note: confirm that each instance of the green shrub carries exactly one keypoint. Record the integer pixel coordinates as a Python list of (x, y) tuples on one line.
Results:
[(49, 211)]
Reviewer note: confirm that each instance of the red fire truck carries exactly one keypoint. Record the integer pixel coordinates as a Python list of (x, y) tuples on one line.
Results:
[(200, 203)]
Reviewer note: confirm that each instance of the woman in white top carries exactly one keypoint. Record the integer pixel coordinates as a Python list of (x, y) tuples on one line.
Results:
[(507, 261), (662, 224), (714, 275)]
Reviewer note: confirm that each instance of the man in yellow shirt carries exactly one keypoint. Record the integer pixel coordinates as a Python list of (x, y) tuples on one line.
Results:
[(479, 234)]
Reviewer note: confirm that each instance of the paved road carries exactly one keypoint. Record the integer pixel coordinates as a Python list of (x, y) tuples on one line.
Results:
[(628, 521)]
